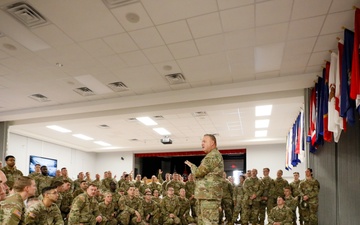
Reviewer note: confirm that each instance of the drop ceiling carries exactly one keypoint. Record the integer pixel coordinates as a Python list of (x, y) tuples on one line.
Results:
[(232, 55)]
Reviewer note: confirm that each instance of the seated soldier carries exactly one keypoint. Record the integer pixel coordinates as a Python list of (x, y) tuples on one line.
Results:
[(107, 210), (130, 207), (280, 214), (151, 209), (170, 207)]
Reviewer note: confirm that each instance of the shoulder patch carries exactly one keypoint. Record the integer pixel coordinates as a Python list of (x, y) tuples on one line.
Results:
[(17, 213), (32, 215)]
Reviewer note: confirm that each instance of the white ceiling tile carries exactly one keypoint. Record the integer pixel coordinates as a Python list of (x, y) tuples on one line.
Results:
[(111, 60), (53, 35), (309, 8), (211, 44), (313, 69), (319, 58), (147, 38), (238, 18), (205, 25), (222, 80), (265, 12), (175, 32), (343, 5), (130, 11), (271, 34), (121, 43), (183, 49), (240, 39), (168, 67), (268, 57), (327, 42), (334, 22), (204, 83), (289, 71), (97, 48), (136, 58), (80, 26), (268, 74), (295, 62), (305, 28), (228, 4), (158, 54), (164, 11), (301, 46), (180, 86), (3, 55)]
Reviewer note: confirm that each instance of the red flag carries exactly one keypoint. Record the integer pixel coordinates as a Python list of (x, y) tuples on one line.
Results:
[(327, 134), (355, 70)]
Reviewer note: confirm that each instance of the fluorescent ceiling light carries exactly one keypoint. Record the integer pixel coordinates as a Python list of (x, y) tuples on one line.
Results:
[(262, 123), (147, 121), (84, 137), (263, 110), (261, 133), (59, 129), (102, 143), (161, 131)]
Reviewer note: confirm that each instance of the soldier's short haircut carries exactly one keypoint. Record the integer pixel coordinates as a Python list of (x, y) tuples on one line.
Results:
[(131, 185), (47, 189), (57, 183), (266, 169), (212, 137), (107, 193), (37, 164), (9, 157), (21, 183), (43, 167), (287, 187), (64, 168), (66, 181), (296, 173), (126, 175)]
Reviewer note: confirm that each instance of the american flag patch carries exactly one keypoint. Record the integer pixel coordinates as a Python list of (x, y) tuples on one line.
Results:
[(17, 213)]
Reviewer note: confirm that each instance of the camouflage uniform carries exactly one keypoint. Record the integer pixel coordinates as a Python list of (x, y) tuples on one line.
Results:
[(227, 203), (156, 199), (170, 205), (251, 207), (296, 192), (268, 187), (66, 204), (41, 182), (34, 175), (125, 185), (97, 183), (11, 174), (76, 184), (163, 185), (238, 201), (40, 214), (184, 212), (84, 210), (151, 208), (78, 192), (177, 185), (137, 184), (310, 188), (107, 213), (278, 190), (190, 191), (292, 203), (59, 200), (154, 185), (283, 215), (142, 188), (208, 188), (128, 206), (12, 210)]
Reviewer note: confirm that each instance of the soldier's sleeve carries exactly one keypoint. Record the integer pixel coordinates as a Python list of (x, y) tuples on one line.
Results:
[(12, 216), (204, 168), (315, 190), (271, 216), (141, 210), (121, 204), (156, 209), (177, 209), (96, 211), (31, 214), (289, 216), (58, 220), (261, 189), (163, 208), (76, 208)]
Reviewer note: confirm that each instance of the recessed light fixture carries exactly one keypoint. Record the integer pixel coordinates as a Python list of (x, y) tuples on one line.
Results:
[(84, 137), (132, 17), (147, 121), (102, 143), (59, 64), (161, 131), (261, 133), (263, 110), (59, 129), (262, 123)]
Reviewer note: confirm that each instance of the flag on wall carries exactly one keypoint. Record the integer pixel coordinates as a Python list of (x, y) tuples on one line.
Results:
[(355, 70)]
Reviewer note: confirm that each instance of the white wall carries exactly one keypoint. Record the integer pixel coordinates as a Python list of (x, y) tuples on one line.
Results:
[(112, 161), (273, 157), (74, 160)]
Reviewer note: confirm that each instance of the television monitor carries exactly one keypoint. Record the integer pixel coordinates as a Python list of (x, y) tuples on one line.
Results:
[(51, 164)]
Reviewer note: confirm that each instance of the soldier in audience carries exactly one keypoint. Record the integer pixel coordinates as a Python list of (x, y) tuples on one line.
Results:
[(184, 212), (280, 214), (159, 176), (309, 191), (267, 199), (279, 185), (97, 181), (83, 187), (238, 200), (126, 184), (60, 190), (66, 200), (45, 211), (12, 208), (10, 171), (85, 208), (138, 182), (3, 186), (227, 201), (44, 180), (77, 182), (190, 194), (65, 176), (144, 185), (170, 207), (248, 173), (294, 185), (151, 209), (131, 208), (37, 171), (175, 183), (164, 183), (156, 197), (107, 210), (291, 202), (87, 177), (154, 184)]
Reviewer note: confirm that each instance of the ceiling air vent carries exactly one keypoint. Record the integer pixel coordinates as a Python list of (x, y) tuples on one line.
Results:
[(39, 98), (199, 114), (117, 3), (26, 14), (84, 91), (175, 78), (118, 86), (134, 140), (159, 117), (103, 126)]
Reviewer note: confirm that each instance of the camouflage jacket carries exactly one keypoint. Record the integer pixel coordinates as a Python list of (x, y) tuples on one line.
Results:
[(177, 185), (189, 188), (84, 210), (238, 194), (295, 188), (279, 185), (12, 210), (131, 204), (11, 175), (66, 202), (268, 185), (253, 185), (41, 182), (184, 207), (107, 211), (151, 208), (283, 215), (209, 176), (310, 188), (291, 202), (170, 205), (228, 190), (40, 214), (154, 186)]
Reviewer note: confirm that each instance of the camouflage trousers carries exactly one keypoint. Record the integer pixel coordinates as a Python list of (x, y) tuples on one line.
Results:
[(111, 221), (238, 209), (310, 214), (185, 220), (154, 220), (265, 206), (208, 211), (126, 218), (193, 207), (251, 212), (228, 207), (169, 221)]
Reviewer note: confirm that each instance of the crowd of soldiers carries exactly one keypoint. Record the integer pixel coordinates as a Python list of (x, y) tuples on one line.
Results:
[(61, 200)]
